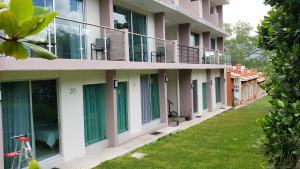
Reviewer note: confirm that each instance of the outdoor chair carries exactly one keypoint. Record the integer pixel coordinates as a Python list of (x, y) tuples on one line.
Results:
[(99, 46)]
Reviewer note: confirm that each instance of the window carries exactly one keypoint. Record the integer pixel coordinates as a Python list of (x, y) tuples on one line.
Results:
[(150, 98), (212, 10), (65, 39), (213, 44), (195, 39), (218, 89), (30, 107), (136, 23)]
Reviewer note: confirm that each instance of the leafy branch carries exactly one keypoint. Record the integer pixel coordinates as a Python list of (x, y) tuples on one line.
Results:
[(21, 19)]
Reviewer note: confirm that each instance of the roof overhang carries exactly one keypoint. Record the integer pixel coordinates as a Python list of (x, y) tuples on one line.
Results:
[(220, 2), (37, 64), (175, 15)]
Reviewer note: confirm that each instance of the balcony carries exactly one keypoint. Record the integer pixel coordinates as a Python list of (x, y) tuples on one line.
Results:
[(197, 55), (76, 41)]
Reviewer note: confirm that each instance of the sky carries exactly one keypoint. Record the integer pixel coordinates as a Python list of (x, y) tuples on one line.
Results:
[(251, 11)]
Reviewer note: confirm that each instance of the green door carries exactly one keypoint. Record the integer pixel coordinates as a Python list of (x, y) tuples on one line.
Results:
[(122, 107), (154, 97), (218, 89), (195, 96), (94, 113), (204, 96)]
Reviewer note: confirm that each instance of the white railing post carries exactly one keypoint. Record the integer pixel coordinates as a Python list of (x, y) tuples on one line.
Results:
[(142, 48), (165, 50)]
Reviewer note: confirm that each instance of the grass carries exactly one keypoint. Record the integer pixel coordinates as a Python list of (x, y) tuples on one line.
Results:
[(224, 142)]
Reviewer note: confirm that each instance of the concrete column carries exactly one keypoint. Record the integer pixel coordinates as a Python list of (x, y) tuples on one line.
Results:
[(111, 108), (163, 96), (206, 40), (205, 8), (220, 42), (107, 13), (1, 139), (223, 86), (209, 90), (186, 93), (220, 15), (184, 34), (160, 25)]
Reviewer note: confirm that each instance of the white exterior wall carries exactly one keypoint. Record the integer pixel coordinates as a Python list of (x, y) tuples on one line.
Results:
[(200, 76), (134, 101), (70, 107), (215, 73)]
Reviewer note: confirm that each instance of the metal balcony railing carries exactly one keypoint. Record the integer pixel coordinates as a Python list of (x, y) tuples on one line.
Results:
[(197, 55), (144, 48), (70, 39), (189, 54)]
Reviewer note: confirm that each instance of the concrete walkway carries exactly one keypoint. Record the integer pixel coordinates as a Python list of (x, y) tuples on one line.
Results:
[(92, 159)]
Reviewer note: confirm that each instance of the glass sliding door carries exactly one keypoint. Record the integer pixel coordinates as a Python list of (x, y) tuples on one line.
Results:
[(135, 23), (195, 96), (70, 41), (122, 109), (45, 118), (45, 38), (218, 89), (154, 97), (139, 42), (64, 38), (16, 115), (94, 113), (150, 98), (123, 20), (30, 108), (145, 98)]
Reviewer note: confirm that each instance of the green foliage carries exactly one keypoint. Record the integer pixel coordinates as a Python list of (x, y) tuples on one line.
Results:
[(19, 20), (34, 165), (223, 142), (280, 32), (242, 46)]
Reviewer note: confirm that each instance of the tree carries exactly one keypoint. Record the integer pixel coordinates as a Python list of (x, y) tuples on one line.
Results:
[(242, 47), (280, 32), (21, 19)]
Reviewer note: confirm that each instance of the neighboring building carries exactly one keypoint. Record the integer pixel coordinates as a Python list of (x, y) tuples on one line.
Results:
[(119, 63), (243, 85)]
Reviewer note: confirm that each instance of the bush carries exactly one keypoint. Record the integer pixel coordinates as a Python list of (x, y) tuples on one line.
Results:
[(34, 165), (280, 32)]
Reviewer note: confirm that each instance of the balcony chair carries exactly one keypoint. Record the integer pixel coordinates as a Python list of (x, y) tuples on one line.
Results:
[(100, 47), (159, 54)]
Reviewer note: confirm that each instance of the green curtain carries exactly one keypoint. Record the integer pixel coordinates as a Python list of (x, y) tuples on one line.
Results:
[(122, 107), (94, 113), (204, 95), (145, 99), (16, 114), (155, 97), (195, 96), (218, 89)]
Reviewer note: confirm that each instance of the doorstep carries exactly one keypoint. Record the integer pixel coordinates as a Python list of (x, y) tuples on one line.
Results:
[(92, 159)]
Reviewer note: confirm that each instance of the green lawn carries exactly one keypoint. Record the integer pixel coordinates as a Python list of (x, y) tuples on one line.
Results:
[(224, 142)]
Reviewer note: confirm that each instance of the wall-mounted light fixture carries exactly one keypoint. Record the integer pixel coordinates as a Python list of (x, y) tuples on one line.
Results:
[(115, 84), (166, 79)]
